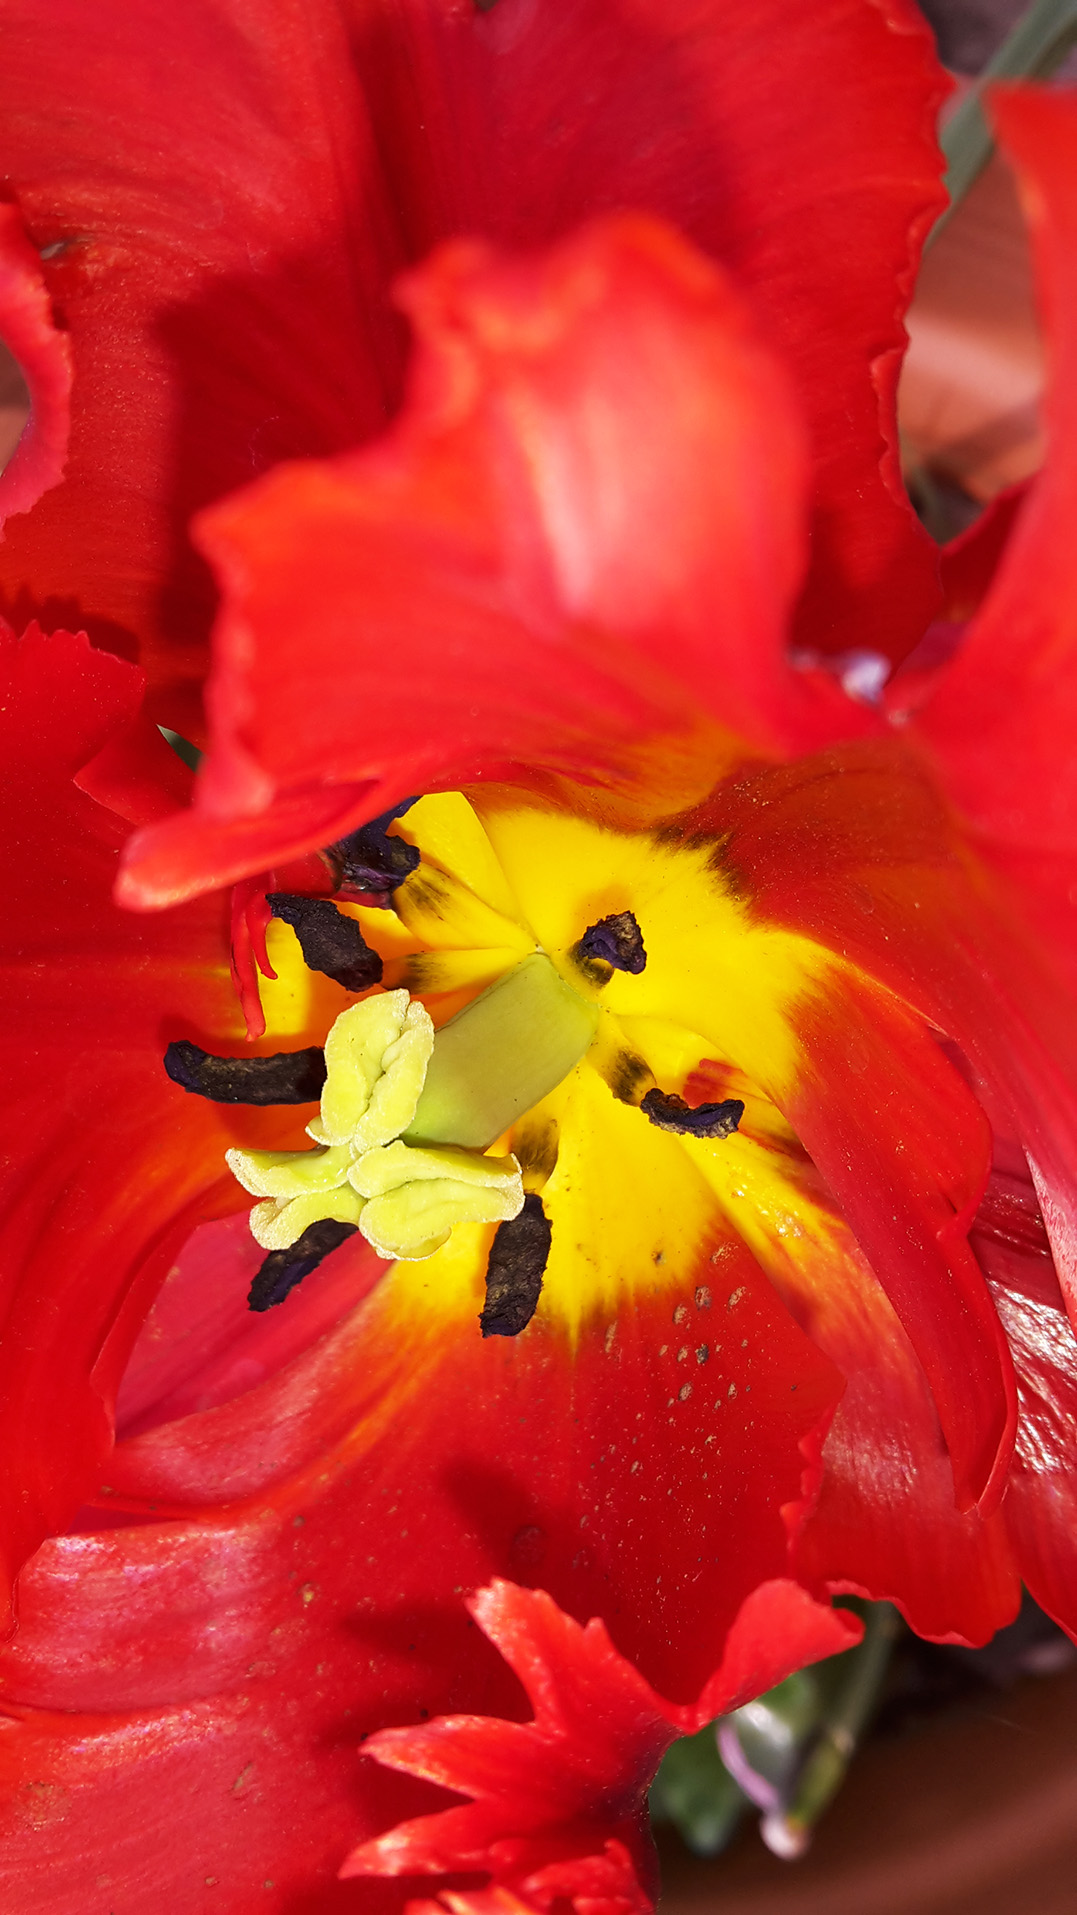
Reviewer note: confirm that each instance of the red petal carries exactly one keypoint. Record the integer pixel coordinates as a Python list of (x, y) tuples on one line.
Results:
[(795, 145), (885, 1525), (106, 1163), (852, 849), (436, 1459), (483, 588), (223, 274), (557, 1500), (218, 274), (582, 1766), (905, 1150), (1003, 718), (1040, 1509), (777, 1628), (27, 329), (969, 562)]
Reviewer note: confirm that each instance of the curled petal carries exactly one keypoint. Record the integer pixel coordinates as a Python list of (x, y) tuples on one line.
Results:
[(885, 1524), (905, 1149)]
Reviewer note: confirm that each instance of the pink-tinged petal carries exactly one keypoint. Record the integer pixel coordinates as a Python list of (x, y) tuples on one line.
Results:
[(486, 605), (28, 331), (1002, 720), (797, 146), (218, 1403), (579, 1771)]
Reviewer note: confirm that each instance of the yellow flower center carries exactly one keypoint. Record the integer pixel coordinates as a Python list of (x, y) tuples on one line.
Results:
[(561, 997)]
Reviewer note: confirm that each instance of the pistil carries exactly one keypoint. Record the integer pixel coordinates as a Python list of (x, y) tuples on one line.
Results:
[(501, 1055)]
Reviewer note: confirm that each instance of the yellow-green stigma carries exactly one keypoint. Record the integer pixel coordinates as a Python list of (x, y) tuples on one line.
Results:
[(408, 1116)]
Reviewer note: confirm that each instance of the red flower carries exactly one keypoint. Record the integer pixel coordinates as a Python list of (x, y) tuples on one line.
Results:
[(567, 577), (560, 1803)]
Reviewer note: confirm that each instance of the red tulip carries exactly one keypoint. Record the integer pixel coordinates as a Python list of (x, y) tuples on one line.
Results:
[(626, 568)]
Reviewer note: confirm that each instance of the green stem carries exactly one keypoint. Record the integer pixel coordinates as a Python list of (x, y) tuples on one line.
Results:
[(824, 1770), (1037, 46)]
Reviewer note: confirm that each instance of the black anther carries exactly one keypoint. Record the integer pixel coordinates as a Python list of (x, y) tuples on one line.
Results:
[(616, 941), (368, 863), (283, 1269), (330, 942), (288, 1077), (670, 1112), (515, 1270)]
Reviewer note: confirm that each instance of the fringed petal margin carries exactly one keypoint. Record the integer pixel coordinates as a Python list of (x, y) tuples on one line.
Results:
[(554, 1796)]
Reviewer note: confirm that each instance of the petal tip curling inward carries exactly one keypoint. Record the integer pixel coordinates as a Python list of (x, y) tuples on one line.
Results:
[(28, 330)]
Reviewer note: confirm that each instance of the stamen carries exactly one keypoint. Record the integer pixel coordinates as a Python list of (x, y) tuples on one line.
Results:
[(514, 1272), (616, 941), (371, 864), (288, 1077), (282, 1270), (670, 1112), (330, 942)]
